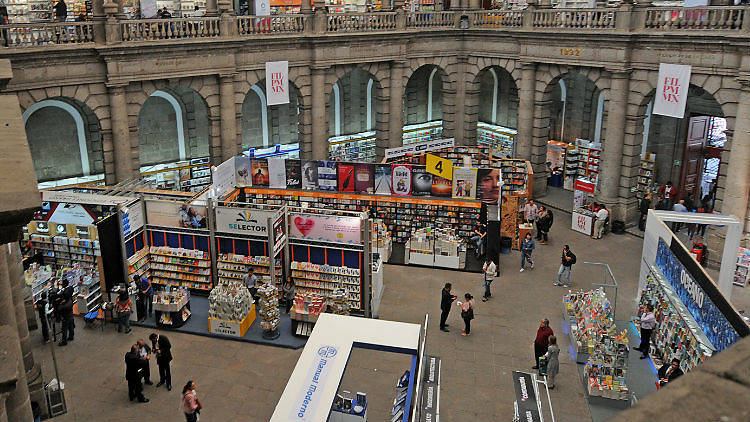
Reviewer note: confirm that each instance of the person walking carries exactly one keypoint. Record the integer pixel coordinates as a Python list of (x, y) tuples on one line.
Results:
[(145, 353), (446, 301), (467, 313), (568, 258), (123, 310), (163, 349), (490, 270), (541, 342), (527, 247), (643, 207), (647, 322), (553, 361), (191, 406), (288, 290), (530, 211), (133, 367), (601, 219), (42, 309)]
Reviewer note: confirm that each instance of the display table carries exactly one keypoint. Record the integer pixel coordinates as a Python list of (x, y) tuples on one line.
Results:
[(435, 248), (232, 328), (305, 311), (172, 309), (583, 221)]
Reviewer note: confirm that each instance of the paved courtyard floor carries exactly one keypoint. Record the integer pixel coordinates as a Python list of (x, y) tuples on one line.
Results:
[(242, 382)]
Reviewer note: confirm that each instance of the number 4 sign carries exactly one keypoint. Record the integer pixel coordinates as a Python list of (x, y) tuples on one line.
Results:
[(439, 166)]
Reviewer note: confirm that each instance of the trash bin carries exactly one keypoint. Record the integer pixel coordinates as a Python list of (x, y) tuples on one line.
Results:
[(556, 180), (505, 244)]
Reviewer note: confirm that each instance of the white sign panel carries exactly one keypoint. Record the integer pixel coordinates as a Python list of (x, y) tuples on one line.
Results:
[(309, 398), (263, 8), (277, 81), (133, 219), (222, 177), (419, 147), (227, 328), (582, 223), (277, 173), (672, 89), (83, 198), (148, 9), (242, 221), (71, 214)]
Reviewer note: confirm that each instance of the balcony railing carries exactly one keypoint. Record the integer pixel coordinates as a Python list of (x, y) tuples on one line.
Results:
[(694, 20), (45, 34)]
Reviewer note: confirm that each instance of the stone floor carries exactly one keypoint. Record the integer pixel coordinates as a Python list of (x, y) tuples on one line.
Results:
[(242, 382)]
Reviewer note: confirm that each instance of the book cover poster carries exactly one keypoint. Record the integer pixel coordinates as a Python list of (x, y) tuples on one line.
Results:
[(421, 181), (441, 186), (489, 189), (364, 175), (346, 177), (276, 173), (309, 174), (383, 179), (259, 172), (242, 171), (293, 174), (327, 177), (464, 183), (401, 179)]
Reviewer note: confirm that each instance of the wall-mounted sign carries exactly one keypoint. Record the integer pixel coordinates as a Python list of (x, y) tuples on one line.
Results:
[(242, 221), (132, 218), (67, 213), (325, 228), (279, 234), (419, 147)]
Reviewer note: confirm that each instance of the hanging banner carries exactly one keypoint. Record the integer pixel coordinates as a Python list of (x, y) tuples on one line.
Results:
[(277, 77), (327, 175), (421, 181), (242, 221), (439, 166), (276, 173), (242, 172), (309, 174), (293, 174), (401, 179), (325, 228), (383, 179), (346, 177), (464, 183), (489, 185), (672, 90), (364, 173)]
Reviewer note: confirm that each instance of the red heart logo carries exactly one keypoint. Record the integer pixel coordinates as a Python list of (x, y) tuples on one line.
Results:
[(304, 225)]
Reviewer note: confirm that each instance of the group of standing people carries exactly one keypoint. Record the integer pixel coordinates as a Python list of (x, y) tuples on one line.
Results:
[(467, 309), (57, 307), (668, 199), (137, 365), (541, 216)]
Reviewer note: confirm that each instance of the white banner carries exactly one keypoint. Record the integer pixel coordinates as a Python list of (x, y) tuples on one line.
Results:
[(672, 89), (277, 81), (242, 221), (262, 7), (277, 173), (223, 179), (419, 147), (84, 198)]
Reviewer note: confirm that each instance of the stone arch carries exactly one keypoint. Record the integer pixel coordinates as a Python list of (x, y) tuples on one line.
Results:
[(263, 125), (498, 96), (71, 146), (423, 95)]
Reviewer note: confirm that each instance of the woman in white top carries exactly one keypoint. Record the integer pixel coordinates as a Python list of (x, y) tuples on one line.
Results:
[(490, 270), (648, 322), (467, 313)]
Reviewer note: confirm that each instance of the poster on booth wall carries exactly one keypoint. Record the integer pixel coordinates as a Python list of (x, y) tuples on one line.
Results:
[(223, 178), (346, 177), (401, 179), (242, 171), (327, 177), (259, 172), (364, 173), (66, 213), (421, 181), (326, 228), (277, 75), (464, 183), (175, 214), (148, 9), (672, 90), (441, 187), (309, 174), (293, 174), (383, 179), (488, 182), (276, 173)]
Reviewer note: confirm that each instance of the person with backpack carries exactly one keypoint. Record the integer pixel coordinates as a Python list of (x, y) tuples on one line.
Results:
[(490, 270), (568, 258)]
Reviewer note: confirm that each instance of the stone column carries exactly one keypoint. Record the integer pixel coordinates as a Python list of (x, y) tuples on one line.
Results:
[(610, 164), (396, 106), (229, 144), (99, 18), (211, 8), (319, 116), (736, 192), (459, 106), (306, 7), (526, 93), (18, 405), (118, 108)]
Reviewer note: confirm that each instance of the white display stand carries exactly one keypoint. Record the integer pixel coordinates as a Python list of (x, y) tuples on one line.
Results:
[(582, 223), (448, 261), (377, 287), (337, 416)]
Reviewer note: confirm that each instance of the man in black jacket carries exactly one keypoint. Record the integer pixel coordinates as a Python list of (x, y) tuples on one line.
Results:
[(163, 350), (133, 365), (669, 372), (445, 305), (65, 310), (643, 208), (145, 352)]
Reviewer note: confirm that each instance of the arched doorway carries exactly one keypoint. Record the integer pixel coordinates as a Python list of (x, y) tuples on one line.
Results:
[(173, 144), (270, 130), (498, 111), (65, 141), (353, 108), (687, 151), (423, 105)]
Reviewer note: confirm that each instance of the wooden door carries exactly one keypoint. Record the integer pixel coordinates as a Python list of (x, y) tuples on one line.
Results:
[(692, 161)]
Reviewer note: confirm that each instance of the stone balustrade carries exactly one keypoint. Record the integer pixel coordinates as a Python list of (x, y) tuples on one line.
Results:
[(695, 20)]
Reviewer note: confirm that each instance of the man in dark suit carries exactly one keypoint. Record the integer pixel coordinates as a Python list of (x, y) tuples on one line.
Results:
[(669, 372), (163, 350), (445, 305), (133, 365), (65, 312), (145, 352)]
